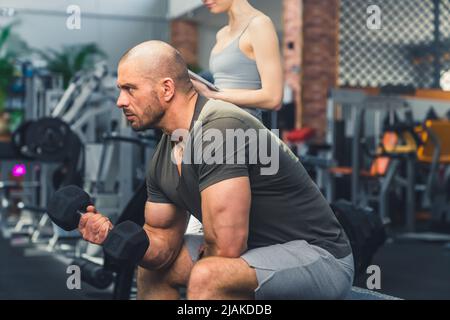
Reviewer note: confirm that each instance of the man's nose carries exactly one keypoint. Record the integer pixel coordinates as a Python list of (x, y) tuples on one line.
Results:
[(122, 101)]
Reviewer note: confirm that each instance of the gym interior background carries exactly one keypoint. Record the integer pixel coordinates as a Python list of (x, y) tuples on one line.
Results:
[(366, 108)]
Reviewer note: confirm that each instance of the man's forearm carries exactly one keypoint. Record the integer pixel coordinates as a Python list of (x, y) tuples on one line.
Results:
[(212, 249)]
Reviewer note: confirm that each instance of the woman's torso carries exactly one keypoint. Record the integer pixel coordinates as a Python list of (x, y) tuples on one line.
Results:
[(233, 65)]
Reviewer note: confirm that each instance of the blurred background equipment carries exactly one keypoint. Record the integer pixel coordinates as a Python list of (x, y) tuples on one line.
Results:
[(366, 109)]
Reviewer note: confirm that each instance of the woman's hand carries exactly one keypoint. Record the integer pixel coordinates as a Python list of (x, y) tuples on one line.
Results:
[(204, 90)]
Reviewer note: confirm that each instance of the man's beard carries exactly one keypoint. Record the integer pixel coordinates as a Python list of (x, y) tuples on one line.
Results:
[(154, 116)]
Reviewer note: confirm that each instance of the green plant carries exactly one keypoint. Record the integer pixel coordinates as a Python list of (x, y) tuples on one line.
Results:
[(71, 59), (6, 63)]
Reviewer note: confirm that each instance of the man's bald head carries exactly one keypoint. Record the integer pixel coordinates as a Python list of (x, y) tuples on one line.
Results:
[(156, 60)]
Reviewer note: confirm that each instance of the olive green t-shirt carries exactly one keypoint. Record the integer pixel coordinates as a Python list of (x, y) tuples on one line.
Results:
[(286, 205)]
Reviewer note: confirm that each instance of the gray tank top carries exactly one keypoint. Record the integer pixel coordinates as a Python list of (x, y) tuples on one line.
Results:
[(232, 69)]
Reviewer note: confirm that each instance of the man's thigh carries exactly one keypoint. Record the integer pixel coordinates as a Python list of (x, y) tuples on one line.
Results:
[(234, 276), (293, 270), (225, 277), (298, 270)]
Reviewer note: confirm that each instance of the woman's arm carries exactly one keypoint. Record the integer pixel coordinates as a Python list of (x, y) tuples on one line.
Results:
[(265, 45)]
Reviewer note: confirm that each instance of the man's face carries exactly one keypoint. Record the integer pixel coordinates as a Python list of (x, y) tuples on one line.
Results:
[(138, 98)]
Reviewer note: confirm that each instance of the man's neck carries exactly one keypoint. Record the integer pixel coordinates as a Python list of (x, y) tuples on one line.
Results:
[(180, 114)]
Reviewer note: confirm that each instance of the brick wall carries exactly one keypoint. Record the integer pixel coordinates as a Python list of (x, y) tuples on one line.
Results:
[(320, 60), (292, 52)]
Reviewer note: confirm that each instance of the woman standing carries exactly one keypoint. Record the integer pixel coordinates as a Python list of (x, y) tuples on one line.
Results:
[(245, 61)]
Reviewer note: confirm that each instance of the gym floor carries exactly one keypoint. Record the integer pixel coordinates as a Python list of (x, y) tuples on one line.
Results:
[(29, 274), (409, 270), (413, 270)]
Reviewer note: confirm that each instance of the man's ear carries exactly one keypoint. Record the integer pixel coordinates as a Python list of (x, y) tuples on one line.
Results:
[(168, 89)]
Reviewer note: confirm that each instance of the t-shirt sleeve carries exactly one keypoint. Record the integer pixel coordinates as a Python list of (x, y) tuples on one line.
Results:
[(154, 192), (222, 159)]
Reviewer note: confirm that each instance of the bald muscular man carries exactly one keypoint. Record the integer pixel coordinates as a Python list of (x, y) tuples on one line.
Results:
[(268, 231)]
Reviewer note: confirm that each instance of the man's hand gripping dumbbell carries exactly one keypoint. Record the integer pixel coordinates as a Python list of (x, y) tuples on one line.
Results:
[(72, 208)]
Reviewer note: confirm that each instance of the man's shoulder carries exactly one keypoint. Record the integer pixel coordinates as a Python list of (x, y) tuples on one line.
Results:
[(221, 114), (216, 108)]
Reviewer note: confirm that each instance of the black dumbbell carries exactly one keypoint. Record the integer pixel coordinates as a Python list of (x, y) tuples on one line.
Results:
[(66, 206), (94, 274), (126, 243)]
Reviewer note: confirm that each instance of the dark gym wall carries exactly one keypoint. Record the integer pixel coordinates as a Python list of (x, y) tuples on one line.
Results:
[(401, 51)]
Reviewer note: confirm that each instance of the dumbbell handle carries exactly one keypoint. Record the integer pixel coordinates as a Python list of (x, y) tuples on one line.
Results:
[(79, 215)]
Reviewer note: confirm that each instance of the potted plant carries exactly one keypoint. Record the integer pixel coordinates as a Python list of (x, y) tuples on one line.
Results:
[(71, 59), (6, 66), (6, 76)]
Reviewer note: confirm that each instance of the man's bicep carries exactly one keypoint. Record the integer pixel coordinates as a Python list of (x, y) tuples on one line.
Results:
[(165, 216)]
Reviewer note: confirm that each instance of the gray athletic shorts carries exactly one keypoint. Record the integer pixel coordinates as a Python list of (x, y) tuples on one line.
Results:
[(294, 270)]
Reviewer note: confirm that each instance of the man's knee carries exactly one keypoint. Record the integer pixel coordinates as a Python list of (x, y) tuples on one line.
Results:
[(204, 280), (155, 284), (220, 278)]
